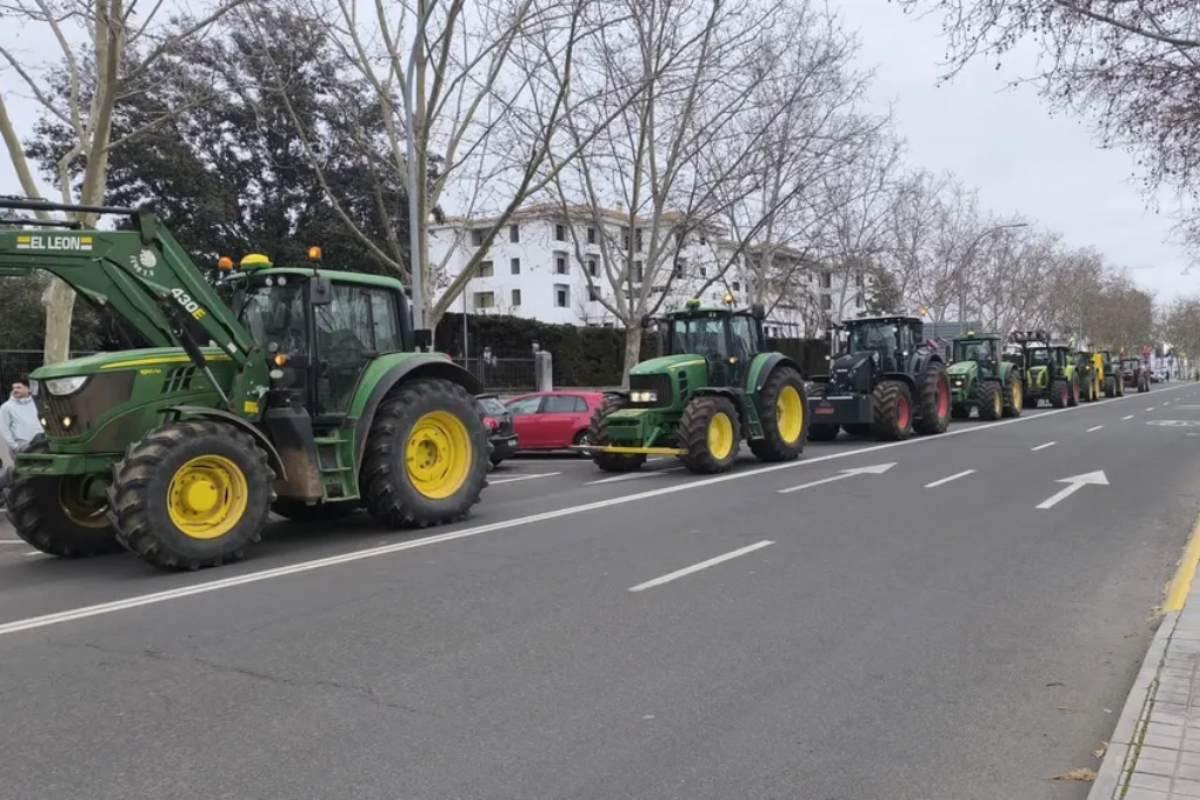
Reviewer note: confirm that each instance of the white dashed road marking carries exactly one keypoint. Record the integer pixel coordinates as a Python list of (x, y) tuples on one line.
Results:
[(670, 576), (949, 478), (1042, 446), (1094, 428)]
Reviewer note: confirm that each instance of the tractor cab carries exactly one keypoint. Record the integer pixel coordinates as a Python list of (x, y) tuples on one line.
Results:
[(982, 379), (728, 340), (982, 348), (892, 339)]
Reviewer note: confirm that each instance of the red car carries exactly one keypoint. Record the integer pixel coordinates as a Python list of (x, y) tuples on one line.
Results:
[(553, 420)]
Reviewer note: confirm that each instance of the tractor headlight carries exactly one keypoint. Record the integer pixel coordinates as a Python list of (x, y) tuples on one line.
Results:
[(958, 382), (61, 386), (644, 397)]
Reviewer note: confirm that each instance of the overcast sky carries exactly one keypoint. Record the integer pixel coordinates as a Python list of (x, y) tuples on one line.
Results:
[(1005, 142)]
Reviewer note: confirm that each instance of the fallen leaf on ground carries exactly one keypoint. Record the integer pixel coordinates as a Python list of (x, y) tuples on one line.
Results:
[(1083, 774), (1101, 750), (1066, 708)]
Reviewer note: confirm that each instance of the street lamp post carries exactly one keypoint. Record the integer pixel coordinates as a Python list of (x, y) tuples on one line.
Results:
[(962, 266)]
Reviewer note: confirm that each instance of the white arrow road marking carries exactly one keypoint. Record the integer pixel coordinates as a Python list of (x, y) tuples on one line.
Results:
[(949, 478), (878, 469), (1127, 416), (1094, 428), (1042, 446), (679, 573), (1075, 483), (523, 478)]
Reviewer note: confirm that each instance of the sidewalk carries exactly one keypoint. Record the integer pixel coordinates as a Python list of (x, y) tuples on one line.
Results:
[(1154, 753)]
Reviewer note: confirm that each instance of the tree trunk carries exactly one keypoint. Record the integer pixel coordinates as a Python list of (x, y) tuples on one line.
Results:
[(59, 301), (633, 351)]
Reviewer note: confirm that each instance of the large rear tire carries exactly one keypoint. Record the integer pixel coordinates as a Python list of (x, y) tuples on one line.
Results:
[(822, 432), (989, 399), (1060, 393), (426, 460), (191, 494), (934, 389), (63, 515), (783, 412), (598, 436), (1110, 387), (711, 432), (1014, 395), (1075, 395), (892, 403)]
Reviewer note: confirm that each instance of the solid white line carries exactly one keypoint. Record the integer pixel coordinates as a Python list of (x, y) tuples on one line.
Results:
[(1127, 416), (949, 478), (633, 475), (1094, 428), (523, 478), (1042, 446), (137, 601), (33, 553), (679, 573), (1054, 499), (13, 541)]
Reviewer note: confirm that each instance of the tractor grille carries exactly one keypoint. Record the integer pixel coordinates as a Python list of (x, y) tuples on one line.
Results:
[(659, 384), (85, 406)]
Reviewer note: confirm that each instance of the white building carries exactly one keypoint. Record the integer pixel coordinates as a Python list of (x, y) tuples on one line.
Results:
[(538, 268)]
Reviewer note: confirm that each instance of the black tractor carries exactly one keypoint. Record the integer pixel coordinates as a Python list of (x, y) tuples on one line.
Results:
[(888, 381)]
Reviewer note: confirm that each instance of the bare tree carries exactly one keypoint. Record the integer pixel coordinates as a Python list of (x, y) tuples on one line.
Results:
[(104, 47)]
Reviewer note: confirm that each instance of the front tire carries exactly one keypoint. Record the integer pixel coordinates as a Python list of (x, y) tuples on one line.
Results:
[(426, 457), (710, 430), (1074, 397), (58, 514), (990, 401), (1060, 394), (783, 411), (892, 403), (1110, 387), (191, 494), (1014, 395), (598, 434), (934, 389)]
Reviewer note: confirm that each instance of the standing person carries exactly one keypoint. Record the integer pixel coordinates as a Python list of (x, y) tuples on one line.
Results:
[(18, 424)]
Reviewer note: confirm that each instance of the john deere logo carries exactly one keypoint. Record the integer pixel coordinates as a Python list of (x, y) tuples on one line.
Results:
[(48, 242)]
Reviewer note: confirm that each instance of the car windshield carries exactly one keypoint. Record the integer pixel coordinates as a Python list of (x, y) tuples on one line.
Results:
[(881, 336), (273, 311), (492, 406), (972, 350), (704, 335)]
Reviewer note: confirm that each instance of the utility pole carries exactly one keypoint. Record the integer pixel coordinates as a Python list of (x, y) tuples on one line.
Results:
[(968, 255)]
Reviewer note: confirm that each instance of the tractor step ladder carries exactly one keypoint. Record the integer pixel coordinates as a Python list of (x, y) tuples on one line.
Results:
[(337, 477)]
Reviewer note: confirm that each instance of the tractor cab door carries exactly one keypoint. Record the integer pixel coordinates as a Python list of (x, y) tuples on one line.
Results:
[(743, 345), (357, 324)]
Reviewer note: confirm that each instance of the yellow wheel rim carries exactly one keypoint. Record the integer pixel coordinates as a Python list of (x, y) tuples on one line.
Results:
[(789, 414), (998, 403), (1018, 396), (207, 497), (720, 435), (438, 455)]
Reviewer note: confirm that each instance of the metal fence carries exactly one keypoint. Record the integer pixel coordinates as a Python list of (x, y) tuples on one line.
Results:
[(502, 374)]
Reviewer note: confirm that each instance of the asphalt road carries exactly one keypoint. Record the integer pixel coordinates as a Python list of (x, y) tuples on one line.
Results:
[(913, 628)]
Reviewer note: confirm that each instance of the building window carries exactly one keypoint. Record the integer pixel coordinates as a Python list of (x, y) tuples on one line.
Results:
[(737, 287), (486, 269), (826, 302), (639, 272), (593, 268), (680, 267), (591, 235), (477, 237), (560, 263), (625, 239), (560, 233), (515, 266), (593, 293), (516, 297), (858, 299), (562, 295), (485, 300), (638, 239), (703, 272), (858, 280), (826, 280), (514, 233)]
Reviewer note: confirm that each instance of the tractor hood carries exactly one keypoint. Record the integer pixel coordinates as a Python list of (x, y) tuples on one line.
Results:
[(123, 359), (962, 369), (654, 366)]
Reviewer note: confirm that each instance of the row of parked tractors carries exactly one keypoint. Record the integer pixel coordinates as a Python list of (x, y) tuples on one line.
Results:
[(716, 387)]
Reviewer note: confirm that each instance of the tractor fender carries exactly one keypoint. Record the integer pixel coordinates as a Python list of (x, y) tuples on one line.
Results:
[(203, 412), (761, 368), (903, 377), (388, 371)]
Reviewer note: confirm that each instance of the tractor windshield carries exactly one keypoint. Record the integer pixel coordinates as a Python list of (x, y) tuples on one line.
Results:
[(1038, 356), (973, 350), (703, 335), (883, 337), (273, 311)]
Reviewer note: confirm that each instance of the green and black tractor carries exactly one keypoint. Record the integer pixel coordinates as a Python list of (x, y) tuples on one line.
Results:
[(981, 378), (1050, 370), (714, 387), (889, 381), (304, 393), (1114, 385)]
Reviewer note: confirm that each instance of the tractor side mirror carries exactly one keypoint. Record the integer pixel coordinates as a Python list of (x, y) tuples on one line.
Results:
[(320, 290)]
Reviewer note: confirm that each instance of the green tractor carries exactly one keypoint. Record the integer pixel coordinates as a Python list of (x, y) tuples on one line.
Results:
[(1050, 370), (714, 387), (1114, 385), (981, 378), (305, 397)]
